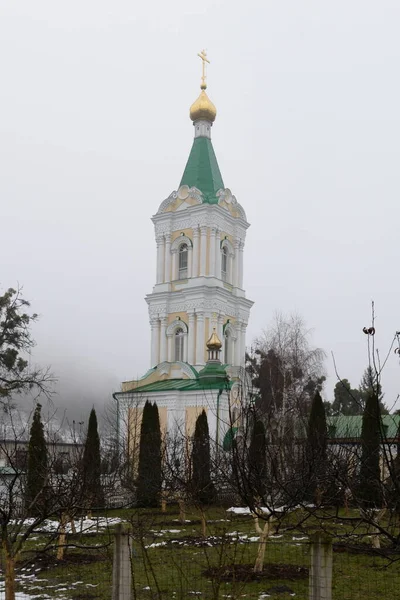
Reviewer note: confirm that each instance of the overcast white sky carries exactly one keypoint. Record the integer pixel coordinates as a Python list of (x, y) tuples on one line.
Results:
[(95, 133)]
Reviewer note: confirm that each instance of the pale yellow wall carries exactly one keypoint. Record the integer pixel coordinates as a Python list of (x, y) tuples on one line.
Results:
[(134, 423), (151, 378), (183, 316), (178, 202), (232, 320), (135, 417), (163, 414), (187, 232), (234, 212), (192, 412), (228, 236)]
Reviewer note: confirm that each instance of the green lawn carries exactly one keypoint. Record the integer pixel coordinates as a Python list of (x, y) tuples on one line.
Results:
[(171, 560)]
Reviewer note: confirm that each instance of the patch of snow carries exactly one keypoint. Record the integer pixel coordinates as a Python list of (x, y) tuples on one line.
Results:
[(156, 544)]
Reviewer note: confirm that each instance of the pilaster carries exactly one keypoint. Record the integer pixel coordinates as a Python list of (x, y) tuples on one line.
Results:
[(211, 261), (167, 270), (217, 252), (196, 252), (163, 339), (155, 337), (192, 338), (203, 250), (160, 258), (241, 251), (235, 281), (190, 261), (174, 265), (238, 345), (200, 345)]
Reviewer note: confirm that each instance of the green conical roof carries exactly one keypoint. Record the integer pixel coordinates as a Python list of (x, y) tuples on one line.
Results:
[(202, 170)]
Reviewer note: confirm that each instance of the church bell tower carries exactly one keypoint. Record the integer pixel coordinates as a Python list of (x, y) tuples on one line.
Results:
[(200, 231)]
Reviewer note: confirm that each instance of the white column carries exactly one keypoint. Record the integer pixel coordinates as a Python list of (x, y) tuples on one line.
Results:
[(241, 248), (167, 268), (160, 258), (211, 260), (236, 265), (155, 338), (238, 345), (174, 268), (231, 271), (196, 252), (203, 250), (192, 338), (220, 325), (169, 351), (190, 259), (243, 345), (217, 251), (200, 346), (163, 339)]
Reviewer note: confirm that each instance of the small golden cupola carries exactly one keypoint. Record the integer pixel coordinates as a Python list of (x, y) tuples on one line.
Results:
[(203, 109), (214, 346)]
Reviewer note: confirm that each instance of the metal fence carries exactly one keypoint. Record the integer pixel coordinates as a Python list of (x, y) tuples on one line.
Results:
[(170, 561)]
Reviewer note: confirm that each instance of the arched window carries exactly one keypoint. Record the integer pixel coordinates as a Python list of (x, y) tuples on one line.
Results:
[(179, 336), (227, 347), (224, 263), (183, 261)]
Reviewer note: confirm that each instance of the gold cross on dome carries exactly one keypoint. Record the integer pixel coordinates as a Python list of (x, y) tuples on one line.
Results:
[(203, 56)]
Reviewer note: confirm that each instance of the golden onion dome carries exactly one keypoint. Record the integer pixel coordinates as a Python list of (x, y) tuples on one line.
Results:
[(203, 108), (214, 343)]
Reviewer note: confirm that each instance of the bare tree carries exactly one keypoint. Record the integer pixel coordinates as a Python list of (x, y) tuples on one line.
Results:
[(285, 368)]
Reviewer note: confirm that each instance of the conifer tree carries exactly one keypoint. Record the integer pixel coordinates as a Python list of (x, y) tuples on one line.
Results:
[(369, 484), (202, 486), (257, 461), (317, 438), (37, 475), (92, 490), (370, 385), (149, 471)]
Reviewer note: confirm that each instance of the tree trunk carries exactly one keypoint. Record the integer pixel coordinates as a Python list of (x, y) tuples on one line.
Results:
[(372, 521), (73, 526), (376, 542), (264, 534), (181, 511), (61, 538), (163, 506), (10, 574), (203, 524)]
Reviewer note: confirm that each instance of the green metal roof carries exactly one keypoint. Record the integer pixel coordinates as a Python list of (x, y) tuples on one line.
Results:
[(202, 170), (211, 377), (345, 427), (180, 385)]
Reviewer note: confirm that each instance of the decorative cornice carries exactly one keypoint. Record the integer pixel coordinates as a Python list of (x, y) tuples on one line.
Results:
[(174, 325), (227, 197), (182, 239), (183, 193)]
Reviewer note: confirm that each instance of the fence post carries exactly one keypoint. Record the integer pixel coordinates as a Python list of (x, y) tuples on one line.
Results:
[(122, 572), (320, 586)]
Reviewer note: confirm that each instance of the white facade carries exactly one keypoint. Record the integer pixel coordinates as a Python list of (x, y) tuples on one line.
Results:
[(204, 289)]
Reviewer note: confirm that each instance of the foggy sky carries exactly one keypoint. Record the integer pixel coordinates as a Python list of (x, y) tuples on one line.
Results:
[(95, 133)]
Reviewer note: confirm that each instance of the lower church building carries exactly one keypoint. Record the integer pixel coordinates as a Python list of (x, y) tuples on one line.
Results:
[(198, 308)]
